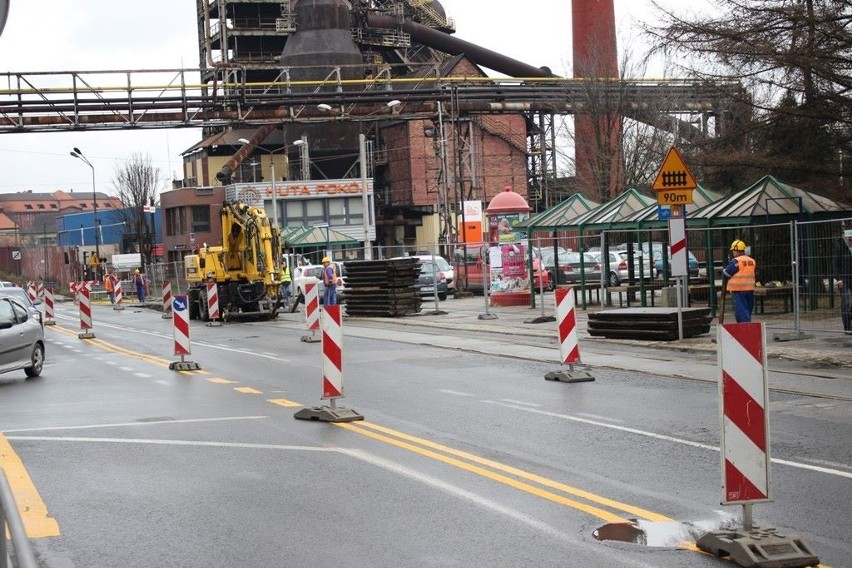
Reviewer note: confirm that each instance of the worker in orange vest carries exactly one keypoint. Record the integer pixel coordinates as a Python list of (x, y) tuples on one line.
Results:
[(740, 273)]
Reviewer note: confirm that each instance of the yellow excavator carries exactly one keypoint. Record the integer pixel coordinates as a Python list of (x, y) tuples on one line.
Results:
[(245, 268)]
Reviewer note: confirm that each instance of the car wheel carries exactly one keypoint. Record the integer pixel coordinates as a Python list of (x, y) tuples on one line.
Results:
[(442, 297), (37, 359), (613, 279)]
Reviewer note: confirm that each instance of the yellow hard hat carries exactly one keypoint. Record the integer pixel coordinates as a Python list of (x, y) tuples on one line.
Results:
[(325, 259), (136, 271), (738, 245)]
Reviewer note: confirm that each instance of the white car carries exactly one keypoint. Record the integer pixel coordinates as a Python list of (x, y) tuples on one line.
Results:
[(617, 273), (312, 274)]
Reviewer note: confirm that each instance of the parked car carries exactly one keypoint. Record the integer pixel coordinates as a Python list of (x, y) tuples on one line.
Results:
[(7, 284), (656, 256), (571, 265), (470, 264), (22, 338), (617, 268), (444, 266), (312, 273), (431, 278)]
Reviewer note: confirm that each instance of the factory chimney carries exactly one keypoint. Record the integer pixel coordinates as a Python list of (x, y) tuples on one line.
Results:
[(597, 149)]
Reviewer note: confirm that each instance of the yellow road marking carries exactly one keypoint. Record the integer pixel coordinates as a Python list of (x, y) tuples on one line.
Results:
[(37, 522), (112, 348), (247, 390), (284, 402), (589, 509), (643, 513), (219, 381)]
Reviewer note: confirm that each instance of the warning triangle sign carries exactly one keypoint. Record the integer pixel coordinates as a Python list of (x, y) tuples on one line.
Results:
[(674, 174)]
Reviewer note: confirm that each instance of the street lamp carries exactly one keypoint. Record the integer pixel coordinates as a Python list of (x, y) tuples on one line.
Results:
[(305, 159), (272, 168), (79, 155)]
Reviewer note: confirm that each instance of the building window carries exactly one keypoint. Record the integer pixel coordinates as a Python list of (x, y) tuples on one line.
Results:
[(174, 222), (200, 218)]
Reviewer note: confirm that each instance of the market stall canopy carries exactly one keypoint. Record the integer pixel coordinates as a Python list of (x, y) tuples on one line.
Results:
[(315, 236), (559, 216), (649, 217), (608, 215), (767, 199)]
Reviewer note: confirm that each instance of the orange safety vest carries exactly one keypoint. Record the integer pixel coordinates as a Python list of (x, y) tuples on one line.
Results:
[(108, 284), (743, 279)]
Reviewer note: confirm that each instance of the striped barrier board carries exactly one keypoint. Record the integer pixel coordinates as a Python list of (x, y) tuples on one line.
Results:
[(213, 305), (569, 345), (332, 372), (332, 353), (744, 388), (85, 314), (744, 418), (118, 295), (167, 300), (48, 307), (180, 308), (312, 312)]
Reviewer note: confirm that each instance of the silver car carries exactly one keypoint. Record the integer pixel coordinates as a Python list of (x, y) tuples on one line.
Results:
[(21, 338)]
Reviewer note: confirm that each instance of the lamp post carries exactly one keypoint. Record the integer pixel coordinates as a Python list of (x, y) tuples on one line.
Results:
[(272, 170), (304, 156), (79, 155)]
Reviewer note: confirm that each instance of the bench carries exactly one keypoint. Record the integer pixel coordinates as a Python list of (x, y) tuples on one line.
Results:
[(763, 293), (629, 290)]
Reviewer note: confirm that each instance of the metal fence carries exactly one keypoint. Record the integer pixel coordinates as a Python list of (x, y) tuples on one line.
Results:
[(10, 520)]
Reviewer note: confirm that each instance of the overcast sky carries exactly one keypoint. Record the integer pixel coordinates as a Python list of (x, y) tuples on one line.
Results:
[(58, 35)]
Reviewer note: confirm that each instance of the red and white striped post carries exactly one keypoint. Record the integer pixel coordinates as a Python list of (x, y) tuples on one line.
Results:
[(48, 307), (117, 295), (213, 305), (745, 460), (74, 287), (85, 314), (180, 307), (312, 313), (332, 372), (332, 354), (167, 300), (31, 291), (40, 290), (744, 393), (569, 345)]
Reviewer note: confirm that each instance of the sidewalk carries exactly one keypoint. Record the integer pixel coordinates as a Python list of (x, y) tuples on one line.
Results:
[(821, 366)]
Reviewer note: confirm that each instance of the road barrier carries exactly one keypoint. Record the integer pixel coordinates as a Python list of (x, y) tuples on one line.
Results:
[(85, 313), (118, 296), (312, 313), (31, 291), (48, 307), (332, 372), (213, 305), (167, 300), (744, 449), (180, 307), (569, 345)]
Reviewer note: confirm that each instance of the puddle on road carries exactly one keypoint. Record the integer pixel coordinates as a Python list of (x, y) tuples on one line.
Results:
[(659, 534)]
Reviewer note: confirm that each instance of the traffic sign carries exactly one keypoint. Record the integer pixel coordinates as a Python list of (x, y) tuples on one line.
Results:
[(674, 197), (94, 260), (674, 174), (149, 209)]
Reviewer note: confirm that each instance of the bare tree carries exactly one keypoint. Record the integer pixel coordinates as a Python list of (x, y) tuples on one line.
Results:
[(795, 57), (137, 183)]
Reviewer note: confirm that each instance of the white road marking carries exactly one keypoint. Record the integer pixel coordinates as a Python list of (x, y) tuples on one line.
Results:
[(521, 402), (597, 417), (118, 424), (200, 443), (666, 438), (455, 393)]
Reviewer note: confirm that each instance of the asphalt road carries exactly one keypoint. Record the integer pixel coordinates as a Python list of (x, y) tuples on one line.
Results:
[(465, 458)]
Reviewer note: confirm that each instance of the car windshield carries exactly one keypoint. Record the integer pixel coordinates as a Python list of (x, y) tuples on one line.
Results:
[(16, 293)]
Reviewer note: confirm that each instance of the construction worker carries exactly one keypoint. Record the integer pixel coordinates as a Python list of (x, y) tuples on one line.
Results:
[(740, 275), (109, 286), (329, 280), (286, 282)]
